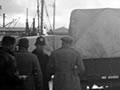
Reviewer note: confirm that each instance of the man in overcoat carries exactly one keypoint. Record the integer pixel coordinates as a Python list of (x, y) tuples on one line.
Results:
[(43, 59), (28, 66), (66, 64), (9, 76)]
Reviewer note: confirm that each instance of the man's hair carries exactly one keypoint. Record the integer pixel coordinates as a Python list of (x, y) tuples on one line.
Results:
[(8, 41), (23, 42)]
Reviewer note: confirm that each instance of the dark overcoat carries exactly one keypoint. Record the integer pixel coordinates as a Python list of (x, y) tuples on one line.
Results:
[(9, 77), (28, 65), (43, 61), (66, 64)]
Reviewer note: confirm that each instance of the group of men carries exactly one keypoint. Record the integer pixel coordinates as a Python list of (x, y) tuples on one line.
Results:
[(33, 70)]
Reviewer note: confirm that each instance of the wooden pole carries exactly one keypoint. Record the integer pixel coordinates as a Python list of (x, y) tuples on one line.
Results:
[(54, 9), (42, 16), (3, 19), (38, 13)]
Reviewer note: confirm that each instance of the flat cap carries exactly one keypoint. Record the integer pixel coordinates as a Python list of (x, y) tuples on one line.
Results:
[(67, 39)]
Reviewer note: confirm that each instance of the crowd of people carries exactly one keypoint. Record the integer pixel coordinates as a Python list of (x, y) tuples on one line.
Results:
[(24, 70)]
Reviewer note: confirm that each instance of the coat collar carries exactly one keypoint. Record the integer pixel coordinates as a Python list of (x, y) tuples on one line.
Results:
[(22, 50)]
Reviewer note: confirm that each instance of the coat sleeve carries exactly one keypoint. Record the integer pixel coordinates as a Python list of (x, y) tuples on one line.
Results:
[(51, 66), (80, 65), (37, 73), (13, 72), (12, 66)]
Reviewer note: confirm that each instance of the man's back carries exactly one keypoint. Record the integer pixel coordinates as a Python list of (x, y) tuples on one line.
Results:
[(25, 62), (27, 65), (66, 64), (9, 76), (42, 57), (43, 61), (66, 58), (9, 79)]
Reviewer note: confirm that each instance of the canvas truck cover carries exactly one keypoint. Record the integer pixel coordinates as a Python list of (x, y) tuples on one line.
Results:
[(96, 31)]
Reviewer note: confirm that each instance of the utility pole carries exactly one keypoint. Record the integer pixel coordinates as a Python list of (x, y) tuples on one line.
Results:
[(42, 14), (54, 9)]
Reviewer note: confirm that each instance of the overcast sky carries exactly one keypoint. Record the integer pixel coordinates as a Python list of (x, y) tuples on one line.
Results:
[(16, 9)]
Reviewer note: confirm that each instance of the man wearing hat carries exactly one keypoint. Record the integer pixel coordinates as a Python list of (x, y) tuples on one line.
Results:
[(43, 59), (66, 64), (9, 76), (28, 66)]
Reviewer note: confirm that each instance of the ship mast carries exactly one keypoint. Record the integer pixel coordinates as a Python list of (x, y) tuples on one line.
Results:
[(38, 15), (54, 9), (27, 25), (3, 19), (42, 14), (40, 29)]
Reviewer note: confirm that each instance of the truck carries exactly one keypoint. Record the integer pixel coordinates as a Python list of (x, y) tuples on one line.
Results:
[(97, 38)]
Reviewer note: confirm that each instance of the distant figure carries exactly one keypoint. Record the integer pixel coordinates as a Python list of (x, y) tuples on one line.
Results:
[(43, 59), (9, 76), (66, 64), (28, 66)]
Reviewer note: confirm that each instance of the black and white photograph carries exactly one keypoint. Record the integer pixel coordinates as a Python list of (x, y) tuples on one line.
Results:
[(59, 44)]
